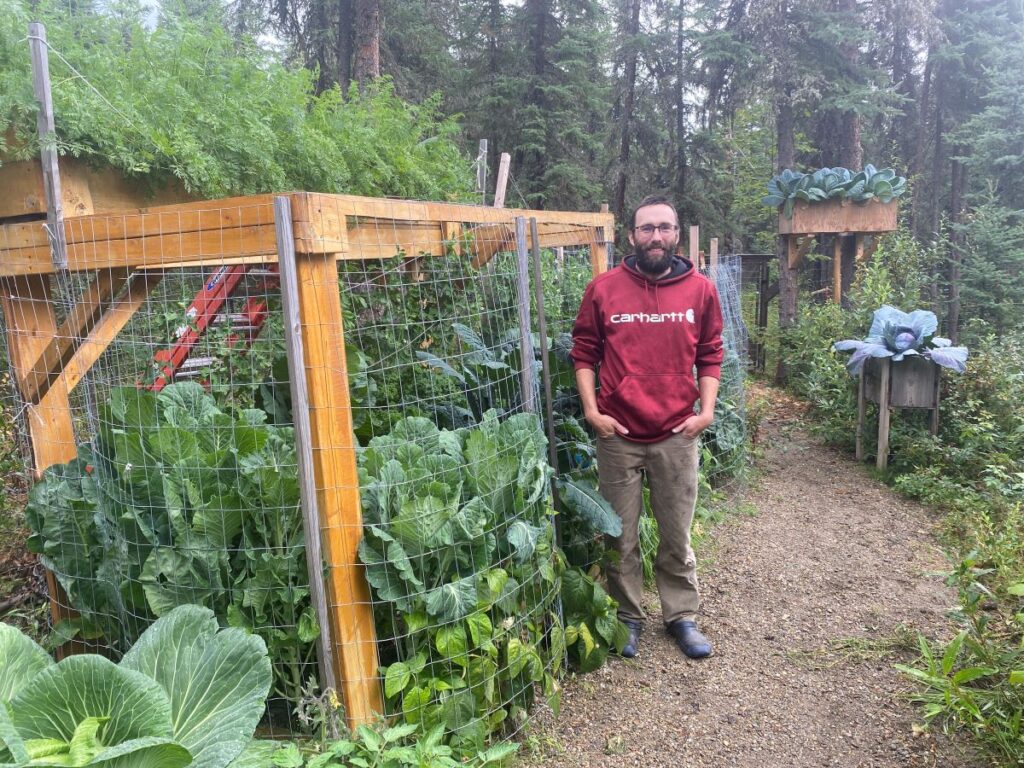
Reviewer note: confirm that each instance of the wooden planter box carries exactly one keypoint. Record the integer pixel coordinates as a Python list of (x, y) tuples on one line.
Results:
[(84, 190), (839, 216), (913, 382)]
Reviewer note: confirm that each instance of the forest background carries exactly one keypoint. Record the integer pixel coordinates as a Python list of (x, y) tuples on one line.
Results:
[(608, 100)]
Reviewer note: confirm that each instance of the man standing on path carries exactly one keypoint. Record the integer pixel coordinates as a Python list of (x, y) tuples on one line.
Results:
[(645, 325)]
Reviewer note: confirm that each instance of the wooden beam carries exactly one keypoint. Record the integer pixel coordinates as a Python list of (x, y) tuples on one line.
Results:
[(103, 333), (489, 239), (240, 230), (337, 483), (713, 257), (78, 324), (694, 245)]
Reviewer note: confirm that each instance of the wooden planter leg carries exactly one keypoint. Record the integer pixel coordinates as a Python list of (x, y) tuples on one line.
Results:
[(837, 269), (882, 458), (861, 408)]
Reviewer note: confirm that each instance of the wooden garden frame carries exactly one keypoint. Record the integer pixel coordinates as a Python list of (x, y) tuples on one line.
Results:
[(128, 252), (842, 219)]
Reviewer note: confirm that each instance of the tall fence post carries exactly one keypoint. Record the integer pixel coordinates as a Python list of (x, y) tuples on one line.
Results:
[(527, 374), (303, 436), (315, 318), (545, 367)]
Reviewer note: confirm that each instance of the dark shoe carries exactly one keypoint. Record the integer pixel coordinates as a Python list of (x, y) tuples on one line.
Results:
[(629, 650), (689, 639)]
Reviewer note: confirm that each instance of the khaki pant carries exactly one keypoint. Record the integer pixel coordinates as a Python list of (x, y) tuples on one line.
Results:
[(671, 469)]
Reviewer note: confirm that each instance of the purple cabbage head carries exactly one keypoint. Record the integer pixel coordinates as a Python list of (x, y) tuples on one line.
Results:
[(896, 334)]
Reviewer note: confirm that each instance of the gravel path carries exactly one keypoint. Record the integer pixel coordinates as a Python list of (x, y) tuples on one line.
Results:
[(809, 602)]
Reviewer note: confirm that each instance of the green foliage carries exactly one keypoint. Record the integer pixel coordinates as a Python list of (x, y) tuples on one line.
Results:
[(785, 188), (458, 552), (386, 747), (223, 117), (187, 694), (992, 266), (180, 503), (592, 627), (971, 470)]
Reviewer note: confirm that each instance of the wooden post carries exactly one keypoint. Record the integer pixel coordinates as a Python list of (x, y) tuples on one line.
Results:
[(31, 325), (545, 367), (337, 483), (502, 182), (481, 169), (527, 383), (882, 458), (837, 269), (47, 141), (693, 244), (933, 421), (303, 442), (861, 410), (713, 257)]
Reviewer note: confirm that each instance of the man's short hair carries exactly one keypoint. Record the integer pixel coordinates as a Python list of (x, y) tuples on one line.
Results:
[(652, 200)]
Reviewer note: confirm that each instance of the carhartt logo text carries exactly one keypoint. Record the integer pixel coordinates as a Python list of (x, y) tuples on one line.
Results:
[(645, 317)]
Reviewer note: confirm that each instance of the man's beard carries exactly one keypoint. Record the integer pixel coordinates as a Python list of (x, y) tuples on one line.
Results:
[(653, 265)]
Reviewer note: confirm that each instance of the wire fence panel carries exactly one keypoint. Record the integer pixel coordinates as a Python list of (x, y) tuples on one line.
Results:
[(153, 389), (152, 385)]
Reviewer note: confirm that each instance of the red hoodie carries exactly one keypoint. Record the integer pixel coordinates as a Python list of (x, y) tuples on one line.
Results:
[(647, 337)]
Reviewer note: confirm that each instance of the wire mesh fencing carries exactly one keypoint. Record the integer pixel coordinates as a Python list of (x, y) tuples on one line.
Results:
[(388, 529), (153, 385)]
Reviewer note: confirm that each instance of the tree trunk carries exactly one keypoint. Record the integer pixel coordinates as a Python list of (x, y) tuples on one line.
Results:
[(958, 183), (630, 32), (918, 155), (679, 183), (344, 43), (788, 277), (366, 66)]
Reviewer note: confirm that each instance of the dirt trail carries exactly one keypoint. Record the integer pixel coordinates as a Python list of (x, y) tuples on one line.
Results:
[(809, 602)]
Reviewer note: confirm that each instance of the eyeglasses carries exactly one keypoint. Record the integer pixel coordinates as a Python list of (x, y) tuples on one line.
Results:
[(648, 229)]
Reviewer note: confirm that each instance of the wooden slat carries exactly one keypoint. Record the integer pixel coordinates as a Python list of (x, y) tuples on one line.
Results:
[(210, 215), (383, 239), (337, 483), (69, 336), (242, 229), (155, 251), (108, 326), (839, 217), (323, 211)]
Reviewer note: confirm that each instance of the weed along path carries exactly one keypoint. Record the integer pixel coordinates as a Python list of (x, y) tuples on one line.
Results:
[(809, 600)]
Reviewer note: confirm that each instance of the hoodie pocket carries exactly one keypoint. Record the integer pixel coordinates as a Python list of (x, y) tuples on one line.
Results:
[(650, 405)]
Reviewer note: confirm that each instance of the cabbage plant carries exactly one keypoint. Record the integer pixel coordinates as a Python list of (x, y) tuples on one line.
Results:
[(186, 694), (896, 334)]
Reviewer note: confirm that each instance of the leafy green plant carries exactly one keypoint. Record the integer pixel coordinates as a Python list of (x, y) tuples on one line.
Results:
[(592, 628), (179, 503), (789, 186), (187, 694), (389, 747), (458, 551)]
